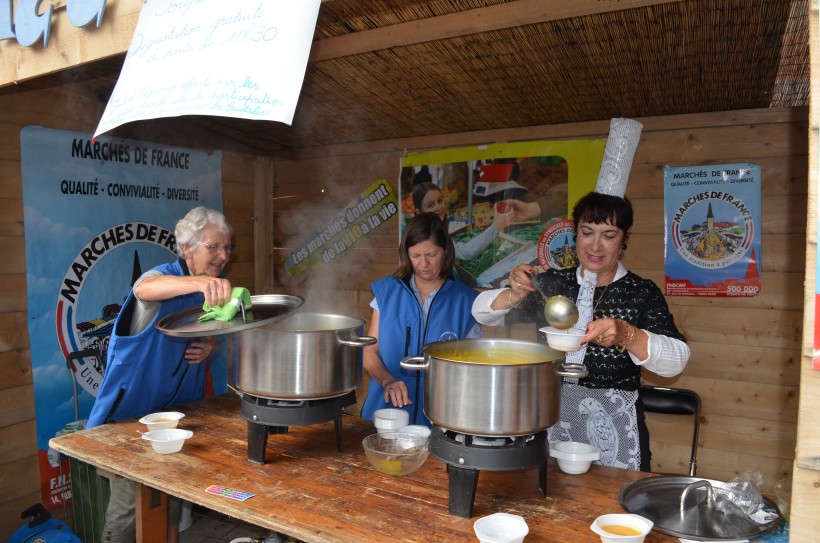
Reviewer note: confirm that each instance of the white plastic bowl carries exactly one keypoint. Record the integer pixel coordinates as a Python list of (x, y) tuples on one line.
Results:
[(574, 457), (501, 528), (162, 420), (563, 340), (416, 429), (637, 523), (168, 440), (390, 420)]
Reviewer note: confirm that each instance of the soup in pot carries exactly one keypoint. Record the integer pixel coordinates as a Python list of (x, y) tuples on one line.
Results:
[(483, 355)]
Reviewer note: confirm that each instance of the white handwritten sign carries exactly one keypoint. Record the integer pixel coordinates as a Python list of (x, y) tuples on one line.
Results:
[(243, 58)]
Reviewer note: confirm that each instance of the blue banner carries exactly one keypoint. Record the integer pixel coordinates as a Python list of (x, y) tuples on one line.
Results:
[(97, 214)]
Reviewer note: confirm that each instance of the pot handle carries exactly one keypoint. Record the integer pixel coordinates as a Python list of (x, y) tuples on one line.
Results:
[(415, 363), (571, 371), (239, 392), (363, 341)]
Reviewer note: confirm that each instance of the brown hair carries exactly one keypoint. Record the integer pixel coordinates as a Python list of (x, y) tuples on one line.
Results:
[(423, 227), (420, 191), (600, 208)]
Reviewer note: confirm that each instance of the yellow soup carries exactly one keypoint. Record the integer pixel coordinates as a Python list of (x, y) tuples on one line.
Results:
[(618, 529), (162, 420), (489, 356)]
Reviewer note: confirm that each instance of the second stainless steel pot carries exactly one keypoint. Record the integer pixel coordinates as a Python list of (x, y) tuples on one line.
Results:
[(520, 394), (303, 357)]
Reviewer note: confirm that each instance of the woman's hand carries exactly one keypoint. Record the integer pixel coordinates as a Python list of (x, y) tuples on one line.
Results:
[(503, 215), (603, 332), (395, 392), (199, 351), (217, 291), (523, 211), (610, 333), (520, 288)]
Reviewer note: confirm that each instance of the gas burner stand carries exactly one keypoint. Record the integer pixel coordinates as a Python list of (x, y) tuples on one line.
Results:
[(267, 416), (465, 458)]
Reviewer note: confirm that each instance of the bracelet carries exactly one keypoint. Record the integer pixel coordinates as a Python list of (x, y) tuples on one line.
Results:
[(629, 335), (509, 299)]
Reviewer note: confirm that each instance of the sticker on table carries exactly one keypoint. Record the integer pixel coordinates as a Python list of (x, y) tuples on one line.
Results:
[(231, 493)]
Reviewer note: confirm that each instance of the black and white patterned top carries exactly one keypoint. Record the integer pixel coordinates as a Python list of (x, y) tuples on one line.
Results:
[(637, 301)]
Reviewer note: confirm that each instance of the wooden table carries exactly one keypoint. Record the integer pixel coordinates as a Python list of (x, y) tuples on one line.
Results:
[(309, 491)]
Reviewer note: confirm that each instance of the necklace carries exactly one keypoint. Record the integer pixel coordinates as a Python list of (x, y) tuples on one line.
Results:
[(601, 297)]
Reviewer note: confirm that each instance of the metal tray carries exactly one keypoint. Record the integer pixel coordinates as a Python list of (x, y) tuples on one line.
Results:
[(659, 500), (266, 309)]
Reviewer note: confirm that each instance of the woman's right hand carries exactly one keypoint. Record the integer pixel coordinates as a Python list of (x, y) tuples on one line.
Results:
[(503, 215), (395, 392), (524, 211), (520, 283), (217, 290)]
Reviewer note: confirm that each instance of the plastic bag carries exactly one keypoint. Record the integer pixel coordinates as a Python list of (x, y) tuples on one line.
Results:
[(742, 491)]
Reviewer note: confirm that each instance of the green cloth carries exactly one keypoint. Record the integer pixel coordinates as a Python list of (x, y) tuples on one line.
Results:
[(229, 309)]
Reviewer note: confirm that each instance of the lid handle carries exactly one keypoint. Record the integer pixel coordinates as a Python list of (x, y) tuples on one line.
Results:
[(693, 486)]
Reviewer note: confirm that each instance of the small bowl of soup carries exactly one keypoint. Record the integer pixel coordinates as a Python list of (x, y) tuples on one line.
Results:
[(162, 420), (621, 528)]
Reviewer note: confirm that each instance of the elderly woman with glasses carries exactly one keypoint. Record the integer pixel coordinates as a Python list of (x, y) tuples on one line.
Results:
[(147, 370)]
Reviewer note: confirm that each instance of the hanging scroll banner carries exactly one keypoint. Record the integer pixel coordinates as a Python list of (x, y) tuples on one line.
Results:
[(243, 59)]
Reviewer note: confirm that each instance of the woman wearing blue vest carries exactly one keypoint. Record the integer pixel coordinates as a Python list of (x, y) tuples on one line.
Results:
[(420, 303), (147, 370)]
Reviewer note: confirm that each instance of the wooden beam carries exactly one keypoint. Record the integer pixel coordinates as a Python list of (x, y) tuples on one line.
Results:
[(520, 13), (806, 469)]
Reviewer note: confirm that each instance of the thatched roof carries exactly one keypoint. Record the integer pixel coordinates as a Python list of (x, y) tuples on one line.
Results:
[(385, 69)]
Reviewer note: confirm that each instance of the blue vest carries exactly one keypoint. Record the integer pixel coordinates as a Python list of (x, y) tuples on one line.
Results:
[(147, 372), (403, 332)]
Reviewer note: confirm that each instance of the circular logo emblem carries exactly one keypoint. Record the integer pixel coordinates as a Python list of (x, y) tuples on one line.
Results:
[(712, 230), (84, 344), (556, 246)]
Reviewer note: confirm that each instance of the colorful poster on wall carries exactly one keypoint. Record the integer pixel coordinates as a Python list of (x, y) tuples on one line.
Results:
[(243, 59), (97, 214), (713, 234), (375, 206), (504, 204)]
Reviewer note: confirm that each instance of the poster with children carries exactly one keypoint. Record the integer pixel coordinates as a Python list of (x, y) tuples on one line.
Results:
[(504, 204)]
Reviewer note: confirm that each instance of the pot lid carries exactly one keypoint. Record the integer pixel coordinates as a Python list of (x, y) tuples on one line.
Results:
[(265, 309), (686, 507)]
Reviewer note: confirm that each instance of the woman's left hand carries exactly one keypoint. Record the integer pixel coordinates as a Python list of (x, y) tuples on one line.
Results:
[(199, 351), (395, 392), (605, 332)]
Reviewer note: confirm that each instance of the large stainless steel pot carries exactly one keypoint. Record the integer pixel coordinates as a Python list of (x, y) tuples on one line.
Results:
[(509, 388), (303, 357)]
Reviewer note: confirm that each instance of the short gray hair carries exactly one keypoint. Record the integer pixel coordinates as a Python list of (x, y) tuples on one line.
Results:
[(189, 228)]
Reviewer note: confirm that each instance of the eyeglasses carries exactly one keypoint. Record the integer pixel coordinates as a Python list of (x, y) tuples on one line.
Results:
[(216, 247)]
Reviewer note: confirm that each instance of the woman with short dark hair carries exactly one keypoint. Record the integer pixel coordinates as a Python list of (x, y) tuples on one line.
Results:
[(627, 327)]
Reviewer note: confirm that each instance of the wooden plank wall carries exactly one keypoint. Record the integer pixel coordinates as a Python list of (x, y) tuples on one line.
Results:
[(19, 473), (745, 351)]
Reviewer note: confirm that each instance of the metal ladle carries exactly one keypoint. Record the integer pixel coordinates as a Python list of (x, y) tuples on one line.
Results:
[(560, 311)]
